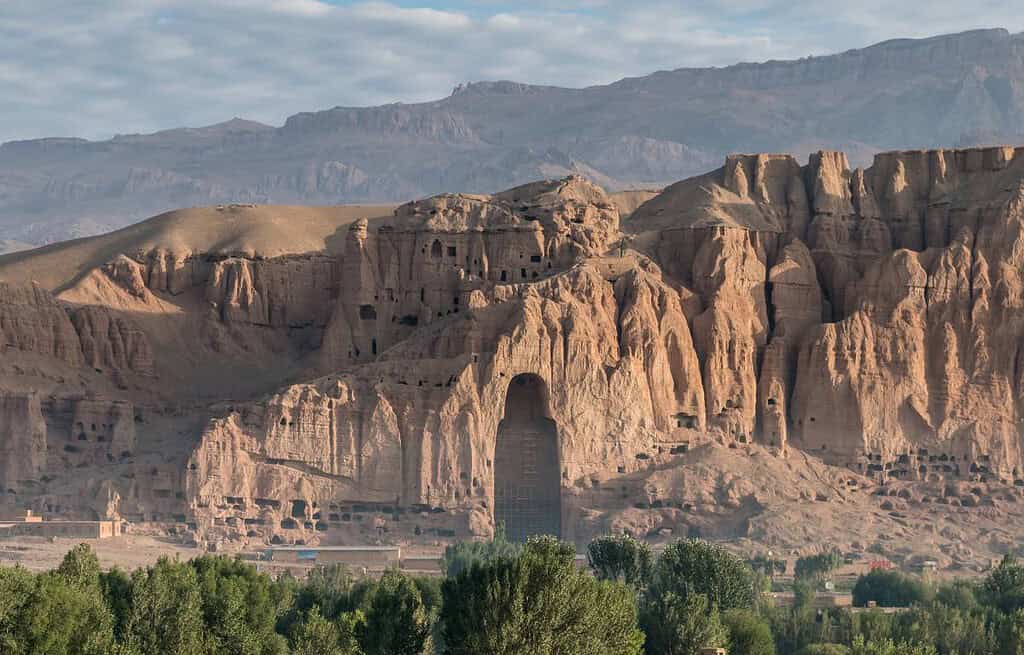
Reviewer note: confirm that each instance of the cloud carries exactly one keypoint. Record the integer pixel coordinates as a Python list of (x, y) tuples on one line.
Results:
[(423, 18), (301, 7), (94, 68)]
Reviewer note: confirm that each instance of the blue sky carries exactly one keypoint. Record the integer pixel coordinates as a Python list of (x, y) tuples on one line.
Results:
[(93, 68)]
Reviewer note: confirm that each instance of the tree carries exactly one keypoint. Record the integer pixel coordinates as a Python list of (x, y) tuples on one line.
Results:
[(240, 608), (889, 589), (461, 556), (314, 635), (167, 611), (953, 631), (767, 565), (749, 634), (796, 626), (430, 590), (329, 588), (620, 558), (817, 567), (537, 602), (1010, 639), (397, 623), (16, 588), (961, 594), (887, 647), (873, 625), (116, 588), (81, 568), (350, 626), (692, 566), (681, 625), (1003, 588), (61, 618)]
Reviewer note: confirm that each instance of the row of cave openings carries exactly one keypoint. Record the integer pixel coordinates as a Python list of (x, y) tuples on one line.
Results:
[(926, 463), (87, 439), (440, 252), (368, 312), (310, 516)]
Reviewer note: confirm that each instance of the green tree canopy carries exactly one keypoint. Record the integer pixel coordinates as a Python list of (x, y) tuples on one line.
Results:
[(116, 588), (537, 602), (16, 588), (314, 635), (952, 630), (681, 625), (749, 634), (889, 589), (461, 556), (1003, 588), (240, 607), (887, 647), (620, 558), (397, 622), (817, 567), (61, 618), (81, 567), (693, 566), (167, 611)]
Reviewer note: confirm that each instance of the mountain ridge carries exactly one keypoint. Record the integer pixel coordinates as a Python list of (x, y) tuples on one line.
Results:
[(944, 91), (486, 85)]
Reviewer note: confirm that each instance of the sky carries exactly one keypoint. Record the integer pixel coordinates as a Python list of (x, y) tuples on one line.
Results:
[(96, 68)]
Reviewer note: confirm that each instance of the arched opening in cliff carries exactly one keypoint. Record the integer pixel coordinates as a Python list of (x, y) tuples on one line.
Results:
[(436, 249), (527, 488)]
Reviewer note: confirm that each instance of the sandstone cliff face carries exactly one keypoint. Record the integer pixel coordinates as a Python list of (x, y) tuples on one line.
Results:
[(896, 270), (402, 274), (109, 341), (871, 318), (32, 321), (417, 428), (284, 292), (22, 440), (926, 358)]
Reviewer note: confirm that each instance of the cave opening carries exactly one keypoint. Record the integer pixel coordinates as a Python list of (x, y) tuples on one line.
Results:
[(527, 488)]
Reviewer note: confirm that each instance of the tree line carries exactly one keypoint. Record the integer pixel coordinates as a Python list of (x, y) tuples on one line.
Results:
[(499, 598)]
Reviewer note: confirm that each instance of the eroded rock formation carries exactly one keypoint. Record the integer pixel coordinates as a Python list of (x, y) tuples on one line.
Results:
[(871, 318)]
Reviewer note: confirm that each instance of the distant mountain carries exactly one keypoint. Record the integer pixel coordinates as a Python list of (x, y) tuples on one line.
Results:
[(9, 246), (962, 89)]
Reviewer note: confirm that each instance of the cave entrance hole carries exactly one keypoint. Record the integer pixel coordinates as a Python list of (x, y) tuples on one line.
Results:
[(527, 489)]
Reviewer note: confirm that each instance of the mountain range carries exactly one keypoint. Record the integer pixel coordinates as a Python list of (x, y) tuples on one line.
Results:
[(953, 90)]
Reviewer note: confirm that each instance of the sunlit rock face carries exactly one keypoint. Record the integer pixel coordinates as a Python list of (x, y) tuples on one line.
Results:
[(531, 358)]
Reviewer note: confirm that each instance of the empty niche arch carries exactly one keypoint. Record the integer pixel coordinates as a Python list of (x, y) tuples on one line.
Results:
[(527, 485), (436, 249)]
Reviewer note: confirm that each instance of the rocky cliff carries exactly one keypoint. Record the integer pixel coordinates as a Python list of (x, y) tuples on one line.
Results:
[(466, 359)]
